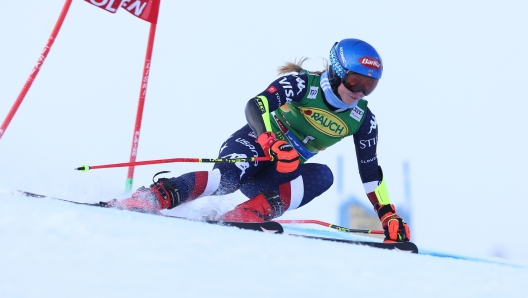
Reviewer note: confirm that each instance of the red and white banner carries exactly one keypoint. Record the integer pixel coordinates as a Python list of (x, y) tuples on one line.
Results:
[(143, 9)]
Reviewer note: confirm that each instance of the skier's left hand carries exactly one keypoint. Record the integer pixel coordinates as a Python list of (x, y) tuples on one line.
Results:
[(395, 228)]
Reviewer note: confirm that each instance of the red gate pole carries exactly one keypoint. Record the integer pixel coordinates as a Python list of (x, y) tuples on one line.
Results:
[(139, 114), (36, 68)]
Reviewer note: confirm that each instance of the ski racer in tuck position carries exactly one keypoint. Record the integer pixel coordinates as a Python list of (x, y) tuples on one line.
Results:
[(296, 117)]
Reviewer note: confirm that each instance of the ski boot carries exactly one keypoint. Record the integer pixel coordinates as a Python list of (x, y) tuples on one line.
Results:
[(162, 194), (263, 207)]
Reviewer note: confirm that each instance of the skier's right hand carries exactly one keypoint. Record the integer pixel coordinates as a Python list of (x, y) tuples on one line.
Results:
[(266, 140), (283, 153)]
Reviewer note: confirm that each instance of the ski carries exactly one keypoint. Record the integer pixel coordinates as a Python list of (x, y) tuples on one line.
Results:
[(402, 246), (266, 227)]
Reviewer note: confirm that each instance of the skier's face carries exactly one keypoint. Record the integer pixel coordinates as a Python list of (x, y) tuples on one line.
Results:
[(349, 97)]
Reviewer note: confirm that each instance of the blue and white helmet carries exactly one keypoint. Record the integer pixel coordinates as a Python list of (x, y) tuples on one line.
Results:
[(354, 55)]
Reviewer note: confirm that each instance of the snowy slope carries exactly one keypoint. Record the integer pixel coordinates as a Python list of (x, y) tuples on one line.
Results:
[(50, 248)]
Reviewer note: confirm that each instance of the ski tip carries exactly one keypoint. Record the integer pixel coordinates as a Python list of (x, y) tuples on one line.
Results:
[(83, 168)]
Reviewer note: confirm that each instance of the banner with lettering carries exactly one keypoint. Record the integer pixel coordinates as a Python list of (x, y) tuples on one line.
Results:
[(144, 9)]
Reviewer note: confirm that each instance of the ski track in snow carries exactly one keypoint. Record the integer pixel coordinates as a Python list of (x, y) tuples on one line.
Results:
[(56, 249)]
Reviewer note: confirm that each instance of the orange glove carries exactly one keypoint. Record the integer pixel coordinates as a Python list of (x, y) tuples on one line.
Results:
[(283, 153), (266, 140), (395, 228)]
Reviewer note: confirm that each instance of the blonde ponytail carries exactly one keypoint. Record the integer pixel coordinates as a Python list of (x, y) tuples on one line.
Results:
[(296, 66)]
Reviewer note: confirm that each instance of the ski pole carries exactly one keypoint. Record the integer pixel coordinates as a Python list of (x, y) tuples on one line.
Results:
[(322, 223), (86, 168)]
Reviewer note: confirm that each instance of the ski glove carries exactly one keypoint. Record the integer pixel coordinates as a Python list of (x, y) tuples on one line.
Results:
[(393, 225), (283, 153), (266, 140)]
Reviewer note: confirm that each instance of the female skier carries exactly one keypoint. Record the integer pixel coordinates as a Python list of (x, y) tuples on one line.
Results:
[(295, 118)]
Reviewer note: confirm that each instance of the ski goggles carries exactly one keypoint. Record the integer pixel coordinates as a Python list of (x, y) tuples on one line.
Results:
[(356, 83)]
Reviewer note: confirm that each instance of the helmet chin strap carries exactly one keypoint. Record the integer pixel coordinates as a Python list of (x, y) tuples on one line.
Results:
[(334, 80)]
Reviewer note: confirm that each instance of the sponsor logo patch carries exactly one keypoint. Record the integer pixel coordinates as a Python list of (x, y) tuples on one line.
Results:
[(261, 105), (272, 89), (300, 84), (342, 55), (369, 160), (357, 113), (313, 92), (279, 123), (373, 124), (370, 62), (363, 144), (325, 122), (243, 166)]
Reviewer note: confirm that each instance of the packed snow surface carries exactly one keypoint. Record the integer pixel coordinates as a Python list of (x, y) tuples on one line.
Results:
[(50, 248)]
